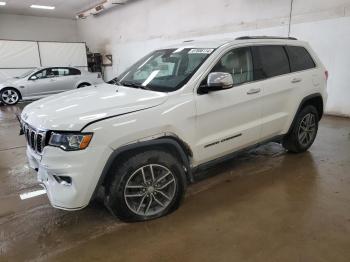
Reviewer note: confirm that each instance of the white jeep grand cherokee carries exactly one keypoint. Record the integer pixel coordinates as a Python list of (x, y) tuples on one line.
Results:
[(142, 136)]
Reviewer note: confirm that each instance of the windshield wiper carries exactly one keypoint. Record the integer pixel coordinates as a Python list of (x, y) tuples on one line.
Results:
[(114, 81), (133, 84)]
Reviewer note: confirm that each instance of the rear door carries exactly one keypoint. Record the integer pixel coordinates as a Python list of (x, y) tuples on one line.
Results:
[(228, 120), (272, 72), (304, 75), (62, 81), (73, 77)]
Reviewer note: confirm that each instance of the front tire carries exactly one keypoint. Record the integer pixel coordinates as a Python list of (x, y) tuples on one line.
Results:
[(147, 185), (10, 96), (303, 132)]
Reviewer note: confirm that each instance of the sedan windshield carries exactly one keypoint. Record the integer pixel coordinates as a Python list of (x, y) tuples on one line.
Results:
[(27, 73), (164, 70)]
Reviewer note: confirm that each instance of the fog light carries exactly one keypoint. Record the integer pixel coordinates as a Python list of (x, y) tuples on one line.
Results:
[(63, 180)]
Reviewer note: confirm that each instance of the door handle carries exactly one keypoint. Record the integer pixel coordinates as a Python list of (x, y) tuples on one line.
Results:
[(253, 91), (296, 80)]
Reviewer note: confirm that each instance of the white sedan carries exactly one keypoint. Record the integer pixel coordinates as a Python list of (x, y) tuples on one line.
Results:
[(42, 82)]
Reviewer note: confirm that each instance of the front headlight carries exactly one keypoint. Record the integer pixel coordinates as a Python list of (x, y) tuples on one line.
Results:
[(70, 141)]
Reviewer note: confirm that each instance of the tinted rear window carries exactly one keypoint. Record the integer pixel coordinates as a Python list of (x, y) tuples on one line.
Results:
[(269, 61), (299, 58), (74, 71)]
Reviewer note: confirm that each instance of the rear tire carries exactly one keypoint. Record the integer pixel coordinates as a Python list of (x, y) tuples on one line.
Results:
[(83, 85), (146, 186), (303, 132), (10, 96)]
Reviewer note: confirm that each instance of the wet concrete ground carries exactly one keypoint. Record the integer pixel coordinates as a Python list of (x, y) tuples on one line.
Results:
[(266, 205)]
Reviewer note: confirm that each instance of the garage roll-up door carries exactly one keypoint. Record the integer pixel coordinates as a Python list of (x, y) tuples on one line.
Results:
[(16, 54), (63, 54), (17, 57)]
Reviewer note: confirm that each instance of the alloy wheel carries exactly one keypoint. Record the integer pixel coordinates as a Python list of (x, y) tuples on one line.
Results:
[(307, 129), (150, 190), (10, 97)]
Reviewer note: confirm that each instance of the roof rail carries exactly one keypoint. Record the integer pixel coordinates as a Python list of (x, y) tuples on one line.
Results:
[(265, 37)]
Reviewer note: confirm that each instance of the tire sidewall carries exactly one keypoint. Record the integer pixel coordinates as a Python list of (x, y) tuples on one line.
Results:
[(115, 201), (301, 115), (83, 85), (5, 89)]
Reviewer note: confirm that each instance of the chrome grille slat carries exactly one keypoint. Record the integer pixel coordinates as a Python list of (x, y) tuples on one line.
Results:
[(29, 135), (35, 138), (26, 132), (39, 145), (32, 138)]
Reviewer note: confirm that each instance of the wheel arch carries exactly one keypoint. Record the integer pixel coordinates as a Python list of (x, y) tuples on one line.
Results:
[(83, 82), (171, 144), (315, 100)]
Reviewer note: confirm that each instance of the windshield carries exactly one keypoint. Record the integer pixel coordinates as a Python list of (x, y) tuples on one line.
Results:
[(27, 73), (164, 70)]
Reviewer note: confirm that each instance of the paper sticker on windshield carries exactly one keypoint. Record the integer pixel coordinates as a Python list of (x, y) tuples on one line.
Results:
[(201, 51)]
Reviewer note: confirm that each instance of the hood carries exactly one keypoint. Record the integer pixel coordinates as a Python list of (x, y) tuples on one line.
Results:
[(11, 82), (72, 110)]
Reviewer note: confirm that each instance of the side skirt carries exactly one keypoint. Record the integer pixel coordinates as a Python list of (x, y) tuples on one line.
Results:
[(204, 166)]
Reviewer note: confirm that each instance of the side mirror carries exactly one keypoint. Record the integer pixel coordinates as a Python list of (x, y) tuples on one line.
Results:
[(33, 78), (219, 80)]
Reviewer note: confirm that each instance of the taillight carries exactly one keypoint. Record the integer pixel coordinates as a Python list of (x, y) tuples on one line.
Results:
[(326, 74)]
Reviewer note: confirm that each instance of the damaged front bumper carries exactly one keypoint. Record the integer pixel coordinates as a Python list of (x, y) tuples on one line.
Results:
[(68, 178)]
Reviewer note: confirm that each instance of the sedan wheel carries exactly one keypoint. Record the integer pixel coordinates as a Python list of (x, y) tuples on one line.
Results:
[(10, 97), (83, 85)]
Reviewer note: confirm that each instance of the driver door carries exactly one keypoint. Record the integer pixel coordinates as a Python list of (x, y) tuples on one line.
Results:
[(229, 119), (37, 84)]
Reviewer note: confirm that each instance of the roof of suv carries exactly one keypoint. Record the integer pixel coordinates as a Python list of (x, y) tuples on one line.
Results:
[(244, 39)]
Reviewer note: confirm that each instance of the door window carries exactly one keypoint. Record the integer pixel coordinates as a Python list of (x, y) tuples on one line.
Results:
[(74, 71), (299, 58), (269, 61), (41, 74), (52, 72), (238, 63), (58, 72)]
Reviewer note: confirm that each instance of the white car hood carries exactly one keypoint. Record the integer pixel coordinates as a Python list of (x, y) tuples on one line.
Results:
[(72, 110)]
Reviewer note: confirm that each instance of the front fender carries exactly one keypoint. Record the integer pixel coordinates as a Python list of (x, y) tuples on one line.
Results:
[(165, 142)]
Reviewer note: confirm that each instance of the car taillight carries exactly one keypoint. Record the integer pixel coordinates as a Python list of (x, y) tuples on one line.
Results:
[(326, 74)]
